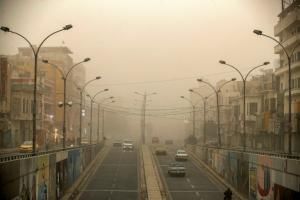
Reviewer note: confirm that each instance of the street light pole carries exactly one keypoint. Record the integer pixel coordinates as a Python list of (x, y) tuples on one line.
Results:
[(259, 32), (204, 99), (81, 99), (64, 77), (35, 53), (99, 106), (193, 107), (218, 106), (244, 79), (91, 114)]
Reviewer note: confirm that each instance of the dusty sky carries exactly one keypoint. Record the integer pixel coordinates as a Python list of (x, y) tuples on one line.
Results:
[(148, 45)]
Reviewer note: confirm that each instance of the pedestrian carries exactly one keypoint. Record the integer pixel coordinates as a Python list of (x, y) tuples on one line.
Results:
[(228, 194)]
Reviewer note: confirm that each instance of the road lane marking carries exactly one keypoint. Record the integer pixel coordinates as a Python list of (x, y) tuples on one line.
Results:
[(107, 190), (210, 191), (193, 186), (188, 180), (197, 193)]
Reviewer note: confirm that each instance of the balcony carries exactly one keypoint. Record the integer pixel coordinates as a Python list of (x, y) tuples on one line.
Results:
[(286, 22), (295, 92), (291, 41), (284, 69)]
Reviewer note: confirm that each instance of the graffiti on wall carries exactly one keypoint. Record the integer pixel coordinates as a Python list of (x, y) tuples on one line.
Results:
[(9, 182), (255, 176), (42, 177), (28, 179), (73, 166)]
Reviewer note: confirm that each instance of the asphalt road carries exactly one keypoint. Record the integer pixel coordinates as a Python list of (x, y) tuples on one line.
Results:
[(195, 185), (115, 179)]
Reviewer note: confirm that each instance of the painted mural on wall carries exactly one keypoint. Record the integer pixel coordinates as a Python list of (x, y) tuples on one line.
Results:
[(243, 173), (233, 168), (9, 182), (73, 166), (61, 177), (52, 176), (256, 176), (42, 177), (28, 172), (252, 183)]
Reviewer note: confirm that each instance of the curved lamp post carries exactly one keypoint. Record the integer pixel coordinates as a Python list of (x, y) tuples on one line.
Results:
[(81, 99), (193, 106), (259, 32), (103, 111), (217, 90), (91, 112), (64, 77), (35, 53), (244, 79), (204, 100)]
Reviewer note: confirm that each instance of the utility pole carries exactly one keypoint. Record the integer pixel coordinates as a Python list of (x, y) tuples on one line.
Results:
[(143, 119), (98, 124), (103, 123)]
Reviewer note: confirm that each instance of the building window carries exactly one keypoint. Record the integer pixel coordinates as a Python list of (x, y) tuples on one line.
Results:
[(292, 83), (23, 105), (266, 104), (298, 55), (236, 110), (252, 108), (273, 105), (16, 106)]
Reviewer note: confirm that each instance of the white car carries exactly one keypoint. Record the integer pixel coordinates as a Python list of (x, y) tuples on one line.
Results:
[(127, 146), (181, 155)]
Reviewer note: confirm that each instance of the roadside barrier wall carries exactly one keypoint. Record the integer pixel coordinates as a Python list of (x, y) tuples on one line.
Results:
[(252, 175), (46, 176)]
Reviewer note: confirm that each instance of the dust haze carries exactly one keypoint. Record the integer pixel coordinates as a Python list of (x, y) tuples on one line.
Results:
[(159, 46)]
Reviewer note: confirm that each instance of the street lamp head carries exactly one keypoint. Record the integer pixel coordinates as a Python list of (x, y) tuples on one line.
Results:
[(113, 101), (266, 63), (98, 77), (111, 97), (199, 80), (5, 29), (182, 97), (60, 104), (106, 89), (191, 90), (257, 32), (86, 59), (222, 62), (45, 61), (67, 27), (233, 79), (70, 103)]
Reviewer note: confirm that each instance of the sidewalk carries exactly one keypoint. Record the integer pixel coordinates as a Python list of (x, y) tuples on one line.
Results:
[(150, 175)]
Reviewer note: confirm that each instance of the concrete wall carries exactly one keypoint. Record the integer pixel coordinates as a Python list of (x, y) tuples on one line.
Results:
[(44, 177), (254, 176)]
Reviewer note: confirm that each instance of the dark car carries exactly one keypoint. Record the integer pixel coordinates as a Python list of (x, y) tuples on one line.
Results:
[(117, 144), (160, 151)]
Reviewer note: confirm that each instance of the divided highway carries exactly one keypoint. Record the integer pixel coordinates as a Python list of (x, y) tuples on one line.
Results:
[(196, 185), (116, 178)]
